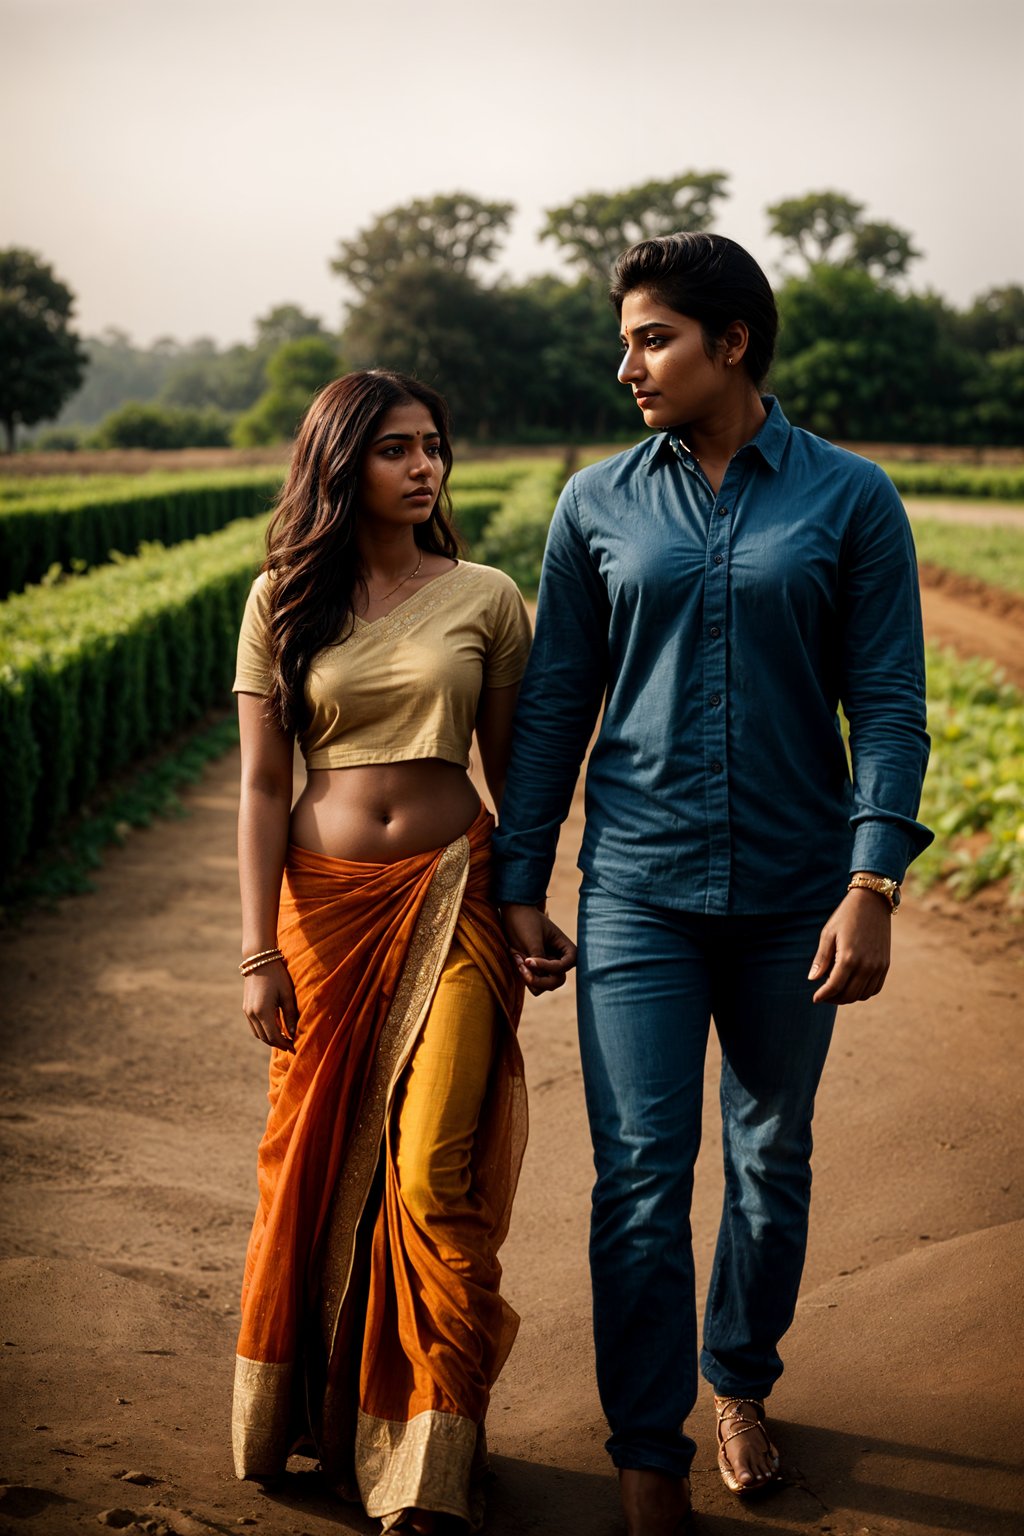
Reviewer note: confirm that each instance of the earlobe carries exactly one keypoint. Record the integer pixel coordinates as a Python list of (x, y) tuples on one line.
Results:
[(734, 343)]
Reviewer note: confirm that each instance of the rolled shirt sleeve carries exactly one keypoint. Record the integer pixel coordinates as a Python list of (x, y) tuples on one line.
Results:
[(882, 684)]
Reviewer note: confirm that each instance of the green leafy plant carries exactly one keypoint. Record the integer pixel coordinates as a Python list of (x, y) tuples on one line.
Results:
[(974, 791), (994, 555), (99, 668), (72, 525)]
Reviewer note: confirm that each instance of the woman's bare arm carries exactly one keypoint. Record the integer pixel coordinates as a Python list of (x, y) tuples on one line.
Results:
[(263, 815), (542, 953), (494, 717)]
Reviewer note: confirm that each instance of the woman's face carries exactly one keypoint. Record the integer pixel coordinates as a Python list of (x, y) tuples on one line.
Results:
[(402, 469), (672, 378)]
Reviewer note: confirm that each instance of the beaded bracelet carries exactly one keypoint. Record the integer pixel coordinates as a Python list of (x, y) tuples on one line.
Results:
[(255, 962)]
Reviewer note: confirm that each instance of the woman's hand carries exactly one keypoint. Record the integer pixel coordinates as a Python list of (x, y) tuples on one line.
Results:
[(268, 1002), (543, 955), (853, 950)]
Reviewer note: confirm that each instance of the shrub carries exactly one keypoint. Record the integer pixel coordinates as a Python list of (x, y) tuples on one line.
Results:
[(135, 425), (99, 668), (71, 523), (515, 536)]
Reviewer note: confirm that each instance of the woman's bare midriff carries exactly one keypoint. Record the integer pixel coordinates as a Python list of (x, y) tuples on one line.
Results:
[(381, 812)]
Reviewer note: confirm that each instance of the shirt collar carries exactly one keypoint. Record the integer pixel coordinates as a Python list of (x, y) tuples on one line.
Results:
[(770, 440)]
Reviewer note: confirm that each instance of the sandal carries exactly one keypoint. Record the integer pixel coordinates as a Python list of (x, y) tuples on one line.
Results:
[(731, 1409)]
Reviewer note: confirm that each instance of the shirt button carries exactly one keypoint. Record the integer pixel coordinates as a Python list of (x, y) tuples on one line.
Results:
[(718, 559), (716, 767), (715, 700), (723, 511), (714, 631)]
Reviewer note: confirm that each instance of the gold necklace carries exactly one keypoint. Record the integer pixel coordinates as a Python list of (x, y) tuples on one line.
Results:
[(411, 576)]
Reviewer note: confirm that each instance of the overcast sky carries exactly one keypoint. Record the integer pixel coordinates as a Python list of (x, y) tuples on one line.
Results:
[(187, 164)]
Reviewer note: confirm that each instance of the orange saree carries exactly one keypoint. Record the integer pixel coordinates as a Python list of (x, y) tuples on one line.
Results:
[(371, 1332)]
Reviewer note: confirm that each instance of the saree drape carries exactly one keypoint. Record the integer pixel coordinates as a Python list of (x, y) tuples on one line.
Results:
[(368, 1334)]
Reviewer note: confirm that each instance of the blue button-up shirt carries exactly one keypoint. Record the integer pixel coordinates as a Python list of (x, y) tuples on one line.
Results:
[(722, 633)]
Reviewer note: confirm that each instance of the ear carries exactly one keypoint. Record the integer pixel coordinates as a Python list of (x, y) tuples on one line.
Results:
[(733, 343)]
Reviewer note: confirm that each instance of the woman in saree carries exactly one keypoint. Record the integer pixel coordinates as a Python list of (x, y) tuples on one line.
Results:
[(375, 969)]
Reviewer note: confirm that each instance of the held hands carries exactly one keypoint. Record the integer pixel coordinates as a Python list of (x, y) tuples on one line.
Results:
[(268, 1003), (853, 951), (542, 954)]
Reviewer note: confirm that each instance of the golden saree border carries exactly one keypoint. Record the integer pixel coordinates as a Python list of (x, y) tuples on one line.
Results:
[(259, 1416), (436, 1461), (428, 950), (262, 1399)]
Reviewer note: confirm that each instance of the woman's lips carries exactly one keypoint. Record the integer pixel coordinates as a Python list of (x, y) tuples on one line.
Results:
[(642, 398)]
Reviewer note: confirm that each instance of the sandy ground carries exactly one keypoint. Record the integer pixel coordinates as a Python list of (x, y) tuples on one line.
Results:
[(130, 1106)]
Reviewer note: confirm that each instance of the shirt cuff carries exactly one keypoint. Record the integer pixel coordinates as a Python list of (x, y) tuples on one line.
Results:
[(879, 848), (521, 882)]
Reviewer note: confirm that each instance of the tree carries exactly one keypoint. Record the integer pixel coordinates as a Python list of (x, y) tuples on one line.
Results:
[(477, 345), (859, 361), (995, 321), (41, 358), (829, 227), (294, 374), (571, 386), (995, 412), (453, 231), (594, 228), (285, 322), (138, 425)]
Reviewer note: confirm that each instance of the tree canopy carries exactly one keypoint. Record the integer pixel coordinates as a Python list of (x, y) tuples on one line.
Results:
[(453, 230), (295, 371), (829, 227), (594, 228), (41, 359)]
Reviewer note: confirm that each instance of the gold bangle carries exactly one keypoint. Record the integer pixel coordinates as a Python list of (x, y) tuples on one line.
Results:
[(254, 962)]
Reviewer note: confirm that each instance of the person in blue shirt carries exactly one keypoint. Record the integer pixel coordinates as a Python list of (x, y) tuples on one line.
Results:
[(722, 590)]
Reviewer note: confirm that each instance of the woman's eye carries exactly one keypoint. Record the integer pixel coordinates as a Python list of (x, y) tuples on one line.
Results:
[(653, 341), (434, 449)]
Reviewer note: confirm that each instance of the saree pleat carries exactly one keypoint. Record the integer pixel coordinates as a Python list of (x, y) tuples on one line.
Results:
[(365, 1330)]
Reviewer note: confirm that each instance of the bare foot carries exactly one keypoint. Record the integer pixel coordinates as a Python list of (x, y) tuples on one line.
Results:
[(744, 1446), (654, 1503)]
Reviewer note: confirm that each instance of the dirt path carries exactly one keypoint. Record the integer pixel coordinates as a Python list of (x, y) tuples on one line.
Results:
[(130, 1106)]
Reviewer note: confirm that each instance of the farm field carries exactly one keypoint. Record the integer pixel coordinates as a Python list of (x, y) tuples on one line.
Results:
[(134, 1097)]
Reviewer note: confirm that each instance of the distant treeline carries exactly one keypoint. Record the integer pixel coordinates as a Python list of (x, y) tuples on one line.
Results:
[(862, 356)]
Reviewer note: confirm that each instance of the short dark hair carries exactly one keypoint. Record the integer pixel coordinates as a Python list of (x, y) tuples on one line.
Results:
[(711, 279)]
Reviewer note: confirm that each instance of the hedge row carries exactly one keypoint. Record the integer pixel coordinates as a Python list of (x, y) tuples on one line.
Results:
[(515, 536), (980, 481), (98, 669), (77, 528)]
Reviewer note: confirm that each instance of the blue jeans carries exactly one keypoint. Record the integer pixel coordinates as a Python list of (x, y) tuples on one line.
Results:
[(650, 980)]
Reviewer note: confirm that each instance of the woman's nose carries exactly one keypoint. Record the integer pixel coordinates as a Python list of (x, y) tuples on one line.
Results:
[(630, 367)]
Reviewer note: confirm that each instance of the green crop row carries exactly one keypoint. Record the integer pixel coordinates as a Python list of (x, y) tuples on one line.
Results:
[(994, 555), (514, 537), (974, 792), (981, 481), (41, 488), (98, 669), (81, 527), (473, 510)]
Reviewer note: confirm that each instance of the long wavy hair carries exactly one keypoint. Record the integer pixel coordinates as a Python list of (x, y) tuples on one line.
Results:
[(312, 552)]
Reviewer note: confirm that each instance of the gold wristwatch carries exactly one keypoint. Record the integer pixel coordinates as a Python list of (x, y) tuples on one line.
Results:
[(890, 889)]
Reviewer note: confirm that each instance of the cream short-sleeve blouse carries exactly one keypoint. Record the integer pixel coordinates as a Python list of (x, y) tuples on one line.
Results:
[(405, 686)]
